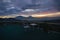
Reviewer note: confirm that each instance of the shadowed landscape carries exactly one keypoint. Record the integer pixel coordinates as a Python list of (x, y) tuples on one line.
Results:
[(21, 30)]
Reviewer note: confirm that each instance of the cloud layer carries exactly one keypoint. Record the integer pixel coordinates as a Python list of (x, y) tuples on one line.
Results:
[(45, 6)]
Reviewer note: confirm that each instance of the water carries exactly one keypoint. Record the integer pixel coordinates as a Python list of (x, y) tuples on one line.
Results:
[(12, 31), (16, 32)]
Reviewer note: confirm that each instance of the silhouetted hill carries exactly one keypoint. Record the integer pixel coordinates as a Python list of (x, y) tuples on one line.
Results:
[(20, 18), (30, 18), (8, 19)]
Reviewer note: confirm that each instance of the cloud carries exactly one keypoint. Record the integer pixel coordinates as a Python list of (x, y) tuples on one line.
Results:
[(57, 4), (45, 6)]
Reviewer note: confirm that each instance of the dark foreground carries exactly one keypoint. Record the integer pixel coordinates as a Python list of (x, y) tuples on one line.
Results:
[(18, 32)]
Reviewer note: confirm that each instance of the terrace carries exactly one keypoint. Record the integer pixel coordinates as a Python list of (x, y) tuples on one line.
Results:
[(29, 30)]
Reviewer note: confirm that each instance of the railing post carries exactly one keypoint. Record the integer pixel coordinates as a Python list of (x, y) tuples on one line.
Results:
[(45, 27)]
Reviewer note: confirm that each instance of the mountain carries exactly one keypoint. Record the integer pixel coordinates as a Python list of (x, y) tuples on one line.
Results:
[(20, 18), (30, 18)]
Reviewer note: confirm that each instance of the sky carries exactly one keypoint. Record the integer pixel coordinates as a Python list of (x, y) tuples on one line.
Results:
[(45, 6)]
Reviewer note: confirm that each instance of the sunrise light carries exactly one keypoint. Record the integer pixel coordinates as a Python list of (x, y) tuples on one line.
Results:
[(47, 15)]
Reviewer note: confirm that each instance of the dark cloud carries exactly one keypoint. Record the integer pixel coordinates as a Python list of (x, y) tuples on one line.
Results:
[(57, 4), (46, 5)]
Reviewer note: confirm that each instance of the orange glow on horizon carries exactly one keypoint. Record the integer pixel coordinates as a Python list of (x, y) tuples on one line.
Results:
[(47, 15), (39, 15)]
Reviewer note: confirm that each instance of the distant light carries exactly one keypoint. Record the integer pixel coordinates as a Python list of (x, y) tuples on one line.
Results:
[(26, 26), (33, 24)]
